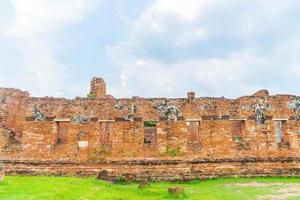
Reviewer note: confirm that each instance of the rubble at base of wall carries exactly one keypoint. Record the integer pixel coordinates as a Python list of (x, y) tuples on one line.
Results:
[(160, 170)]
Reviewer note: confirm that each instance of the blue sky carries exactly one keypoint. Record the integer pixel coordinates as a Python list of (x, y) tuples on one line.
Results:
[(150, 48)]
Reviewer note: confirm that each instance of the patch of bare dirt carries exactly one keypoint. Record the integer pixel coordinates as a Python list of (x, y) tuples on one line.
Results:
[(282, 191), (286, 192), (257, 184)]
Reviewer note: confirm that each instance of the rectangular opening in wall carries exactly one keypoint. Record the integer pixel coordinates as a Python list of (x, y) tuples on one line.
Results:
[(62, 132), (237, 130), (150, 132), (105, 132), (193, 129), (280, 128)]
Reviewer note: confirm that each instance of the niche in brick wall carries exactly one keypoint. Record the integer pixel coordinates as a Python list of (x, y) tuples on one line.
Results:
[(150, 132), (281, 137), (237, 130), (193, 131), (105, 133), (62, 132)]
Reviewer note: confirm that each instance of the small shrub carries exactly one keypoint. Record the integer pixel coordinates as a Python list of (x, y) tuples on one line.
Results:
[(173, 151), (91, 95), (150, 124)]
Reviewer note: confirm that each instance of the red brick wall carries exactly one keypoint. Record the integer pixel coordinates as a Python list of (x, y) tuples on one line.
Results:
[(207, 128)]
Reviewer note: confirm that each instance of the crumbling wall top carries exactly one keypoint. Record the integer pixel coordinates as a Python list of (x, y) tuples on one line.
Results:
[(98, 88), (261, 93)]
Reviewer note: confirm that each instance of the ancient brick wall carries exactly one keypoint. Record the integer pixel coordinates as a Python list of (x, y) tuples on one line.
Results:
[(100, 129)]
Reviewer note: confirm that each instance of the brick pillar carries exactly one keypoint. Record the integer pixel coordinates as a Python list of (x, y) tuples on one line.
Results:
[(191, 96), (98, 87)]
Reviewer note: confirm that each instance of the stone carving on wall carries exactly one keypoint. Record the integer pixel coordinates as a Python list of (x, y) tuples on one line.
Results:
[(132, 110), (119, 106), (294, 105), (171, 112), (129, 117), (259, 111), (38, 115), (78, 119)]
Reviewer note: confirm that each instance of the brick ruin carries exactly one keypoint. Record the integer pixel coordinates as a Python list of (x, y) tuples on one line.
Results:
[(157, 138)]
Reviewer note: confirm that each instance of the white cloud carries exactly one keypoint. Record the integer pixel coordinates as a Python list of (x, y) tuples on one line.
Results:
[(189, 36), (213, 47), (44, 72), (186, 9), (152, 78), (216, 48), (35, 17), (34, 22)]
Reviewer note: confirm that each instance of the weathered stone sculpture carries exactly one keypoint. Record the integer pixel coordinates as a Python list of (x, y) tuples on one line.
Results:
[(294, 105), (38, 115), (78, 119), (259, 110), (119, 106), (132, 110), (171, 112)]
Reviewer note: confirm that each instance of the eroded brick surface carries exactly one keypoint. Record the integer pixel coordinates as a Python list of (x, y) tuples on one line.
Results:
[(193, 137)]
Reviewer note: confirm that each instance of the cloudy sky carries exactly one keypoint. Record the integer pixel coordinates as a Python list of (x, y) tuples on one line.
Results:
[(150, 48)]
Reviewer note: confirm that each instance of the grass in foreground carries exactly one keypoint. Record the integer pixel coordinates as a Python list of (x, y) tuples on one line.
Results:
[(57, 188)]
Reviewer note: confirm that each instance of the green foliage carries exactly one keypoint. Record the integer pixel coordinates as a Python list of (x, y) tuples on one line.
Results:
[(237, 139), (76, 188), (91, 95), (61, 188), (150, 123), (173, 151)]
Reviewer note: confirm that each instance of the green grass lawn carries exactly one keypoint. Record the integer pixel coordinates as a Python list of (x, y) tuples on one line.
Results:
[(39, 188)]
